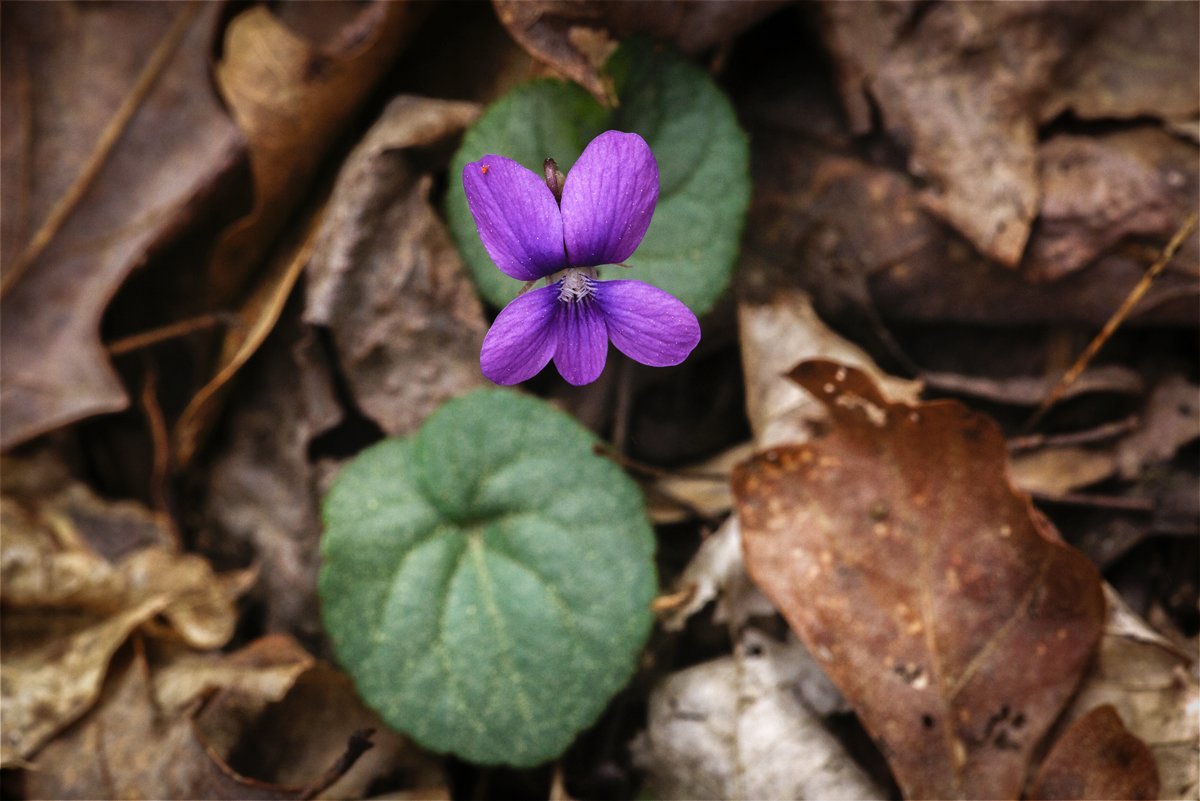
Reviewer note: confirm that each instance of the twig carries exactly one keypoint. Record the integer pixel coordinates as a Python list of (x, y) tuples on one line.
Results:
[(608, 451), (1098, 434), (358, 744), (159, 438), (145, 339), (1113, 502), (1113, 323), (624, 406), (104, 145)]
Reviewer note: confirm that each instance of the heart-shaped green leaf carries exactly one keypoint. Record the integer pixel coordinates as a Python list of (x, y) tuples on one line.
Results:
[(488, 580), (703, 163)]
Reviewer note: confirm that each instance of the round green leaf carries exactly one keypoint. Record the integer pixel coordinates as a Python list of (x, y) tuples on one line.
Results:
[(488, 580), (703, 162)]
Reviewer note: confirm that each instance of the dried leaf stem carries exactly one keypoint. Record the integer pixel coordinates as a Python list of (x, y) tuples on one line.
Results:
[(1114, 322)]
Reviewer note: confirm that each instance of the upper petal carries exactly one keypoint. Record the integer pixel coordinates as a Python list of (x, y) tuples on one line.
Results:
[(582, 342), (522, 339), (517, 217), (647, 324), (608, 199)]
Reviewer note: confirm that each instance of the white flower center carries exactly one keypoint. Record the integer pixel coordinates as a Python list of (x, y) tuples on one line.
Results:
[(576, 284)]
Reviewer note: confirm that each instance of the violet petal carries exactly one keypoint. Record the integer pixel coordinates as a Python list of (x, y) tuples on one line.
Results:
[(608, 199), (522, 339), (517, 217), (582, 342), (647, 324)]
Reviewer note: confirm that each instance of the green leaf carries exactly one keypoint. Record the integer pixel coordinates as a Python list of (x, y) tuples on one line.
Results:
[(703, 162), (488, 580)]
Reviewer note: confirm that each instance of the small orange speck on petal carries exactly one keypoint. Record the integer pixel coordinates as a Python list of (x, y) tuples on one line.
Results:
[(483, 169)]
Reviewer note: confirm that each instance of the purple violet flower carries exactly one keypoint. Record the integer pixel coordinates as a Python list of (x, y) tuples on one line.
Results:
[(607, 202)]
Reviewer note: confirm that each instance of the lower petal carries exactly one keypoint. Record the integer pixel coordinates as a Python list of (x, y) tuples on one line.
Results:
[(647, 324), (523, 338), (582, 342)]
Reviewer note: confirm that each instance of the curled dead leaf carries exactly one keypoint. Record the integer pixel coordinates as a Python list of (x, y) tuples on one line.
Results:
[(263, 722), (262, 496), (576, 38), (1097, 757), (928, 588), (140, 740), (387, 280), (292, 98), (67, 609)]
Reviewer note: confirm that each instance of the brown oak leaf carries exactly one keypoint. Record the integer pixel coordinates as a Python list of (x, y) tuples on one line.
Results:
[(947, 611)]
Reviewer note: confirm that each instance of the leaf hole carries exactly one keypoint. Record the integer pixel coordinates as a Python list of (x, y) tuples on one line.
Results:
[(927, 721)]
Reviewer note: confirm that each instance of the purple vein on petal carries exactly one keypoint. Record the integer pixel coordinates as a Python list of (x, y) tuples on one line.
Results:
[(647, 324), (517, 217), (522, 339), (608, 199), (582, 341)]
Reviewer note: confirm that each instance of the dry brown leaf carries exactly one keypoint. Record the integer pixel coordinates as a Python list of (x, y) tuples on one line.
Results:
[(1097, 757), (1032, 390), (939, 602), (141, 742), (1100, 190), (917, 290), (262, 498), (1060, 470), (1170, 420), (856, 236), (387, 280), (863, 239), (956, 85), (112, 529), (200, 606), (67, 609), (576, 38), (777, 335), (260, 723), (111, 134), (1153, 686), (970, 127), (696, 489), (1114, 74), (308, 728), (257, 317), (52, 670), (291, 98)]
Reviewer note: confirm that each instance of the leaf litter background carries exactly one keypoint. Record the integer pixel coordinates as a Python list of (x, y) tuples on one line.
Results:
[(226, 270)]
